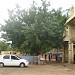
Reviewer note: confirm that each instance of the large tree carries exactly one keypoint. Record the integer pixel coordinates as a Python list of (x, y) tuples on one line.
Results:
[(35, 30), (3, 46)]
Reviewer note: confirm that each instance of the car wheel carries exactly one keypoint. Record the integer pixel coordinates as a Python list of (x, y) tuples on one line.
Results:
[(1, 64), (22, 65)]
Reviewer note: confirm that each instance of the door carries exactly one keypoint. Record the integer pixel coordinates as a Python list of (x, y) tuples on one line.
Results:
[(74, 58), (15, 61), (74, 52), (6, 60)]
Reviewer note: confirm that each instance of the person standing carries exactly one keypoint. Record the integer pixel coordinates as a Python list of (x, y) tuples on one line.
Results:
[(61, 57), (49, 56), (45, 56)]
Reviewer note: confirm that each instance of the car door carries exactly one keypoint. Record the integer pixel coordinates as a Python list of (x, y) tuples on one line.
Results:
[(15, 61), (6, 60)]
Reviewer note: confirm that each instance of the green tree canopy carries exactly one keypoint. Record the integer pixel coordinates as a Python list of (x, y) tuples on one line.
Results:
[(3, 46), (36, 30)]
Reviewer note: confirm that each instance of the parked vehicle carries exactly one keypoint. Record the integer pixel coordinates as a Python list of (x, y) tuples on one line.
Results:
[(32, 59), (12, 60)]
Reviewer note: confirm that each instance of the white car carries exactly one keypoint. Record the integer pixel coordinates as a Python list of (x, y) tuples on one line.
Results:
[(12, 60)]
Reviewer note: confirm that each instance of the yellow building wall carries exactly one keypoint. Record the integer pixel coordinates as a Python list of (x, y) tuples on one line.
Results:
[(11, 52), (71, 35), (73, 31)]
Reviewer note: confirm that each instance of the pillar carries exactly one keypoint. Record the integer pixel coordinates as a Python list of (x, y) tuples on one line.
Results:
[(70, 52)]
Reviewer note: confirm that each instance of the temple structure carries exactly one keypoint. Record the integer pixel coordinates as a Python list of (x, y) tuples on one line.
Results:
[(69, 40)]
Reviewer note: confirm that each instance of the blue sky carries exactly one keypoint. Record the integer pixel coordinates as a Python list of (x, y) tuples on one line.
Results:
[(9, 4)]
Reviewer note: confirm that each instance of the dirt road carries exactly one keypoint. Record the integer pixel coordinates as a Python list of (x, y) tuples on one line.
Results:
[(50, 69)]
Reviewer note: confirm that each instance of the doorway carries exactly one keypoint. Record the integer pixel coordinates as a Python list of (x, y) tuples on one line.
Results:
[(74, 51)]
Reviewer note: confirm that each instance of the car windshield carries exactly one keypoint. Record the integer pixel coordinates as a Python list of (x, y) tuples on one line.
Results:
[(19, 57)]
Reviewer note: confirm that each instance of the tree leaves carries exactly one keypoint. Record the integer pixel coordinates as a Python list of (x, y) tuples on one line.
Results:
[(36, 30)]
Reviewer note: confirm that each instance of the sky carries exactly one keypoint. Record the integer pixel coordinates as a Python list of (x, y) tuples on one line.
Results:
[(10, 4)]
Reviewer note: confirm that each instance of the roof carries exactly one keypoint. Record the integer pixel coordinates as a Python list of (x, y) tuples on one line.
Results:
[(70, 19)]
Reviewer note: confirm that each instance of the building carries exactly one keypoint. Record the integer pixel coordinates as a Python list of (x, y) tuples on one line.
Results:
[(69, 38), (11, 52)]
